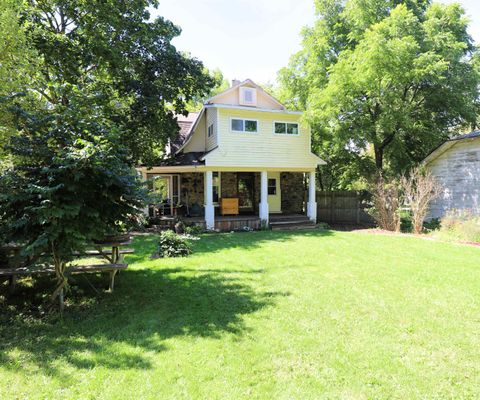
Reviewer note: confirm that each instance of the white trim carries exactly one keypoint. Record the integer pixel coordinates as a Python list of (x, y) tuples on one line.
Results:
[(286, 134), (244, 131), (312, 201), (242, 91), (218, 130), (170, 186), (212, 125), (208, 199), (270, 110), (263, 206)]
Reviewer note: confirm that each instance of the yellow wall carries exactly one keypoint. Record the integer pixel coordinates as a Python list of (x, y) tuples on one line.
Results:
[(212, 119), (275, 201), (197, 141), (232, 98), (264, 149)]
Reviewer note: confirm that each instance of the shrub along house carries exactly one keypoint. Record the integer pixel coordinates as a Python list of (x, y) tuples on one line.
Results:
[(242, 160), (456, 165)]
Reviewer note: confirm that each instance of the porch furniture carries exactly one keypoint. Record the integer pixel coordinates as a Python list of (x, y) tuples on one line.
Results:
[(229, 206)]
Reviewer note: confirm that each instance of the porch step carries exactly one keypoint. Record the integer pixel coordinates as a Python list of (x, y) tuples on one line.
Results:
[(291, 222), (294, 227), (293, 218)]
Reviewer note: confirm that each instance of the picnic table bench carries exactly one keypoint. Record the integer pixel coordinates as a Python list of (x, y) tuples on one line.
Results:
[(13, 273), (113, 256)]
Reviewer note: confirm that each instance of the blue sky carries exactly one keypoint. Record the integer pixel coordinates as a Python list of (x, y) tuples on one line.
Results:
[(252, 38)]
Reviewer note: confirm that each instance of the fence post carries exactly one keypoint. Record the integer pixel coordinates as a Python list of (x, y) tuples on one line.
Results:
[(332, 207), (358, 209)]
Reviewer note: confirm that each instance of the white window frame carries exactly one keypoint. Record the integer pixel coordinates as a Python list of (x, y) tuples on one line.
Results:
[(242, 91), (276, 186), (212, 132), (286, 134), (244, 131), (153, 175)]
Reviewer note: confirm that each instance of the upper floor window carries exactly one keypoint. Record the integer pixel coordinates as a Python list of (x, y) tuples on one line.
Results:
[(244, 125), (210, 130), (248, 96), (286, 128)]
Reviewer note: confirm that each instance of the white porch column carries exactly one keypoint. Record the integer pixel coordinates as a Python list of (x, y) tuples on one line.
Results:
[(208, 198), (264, 196), (312, 202)]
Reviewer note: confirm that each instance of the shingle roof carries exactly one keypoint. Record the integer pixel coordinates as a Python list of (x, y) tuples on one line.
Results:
[(470, 135), (183, 159), (449, 143), (185, 124)]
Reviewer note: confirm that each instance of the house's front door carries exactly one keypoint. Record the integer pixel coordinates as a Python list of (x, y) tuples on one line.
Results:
[(246, 191), (274, 193)]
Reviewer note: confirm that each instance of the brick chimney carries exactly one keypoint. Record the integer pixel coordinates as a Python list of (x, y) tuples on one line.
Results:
[(235, 82)]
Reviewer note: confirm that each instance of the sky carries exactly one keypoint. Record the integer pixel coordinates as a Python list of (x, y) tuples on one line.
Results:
[(252, 38)]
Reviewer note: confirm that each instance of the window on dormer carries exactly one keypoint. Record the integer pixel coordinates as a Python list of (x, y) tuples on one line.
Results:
[(248, 96)]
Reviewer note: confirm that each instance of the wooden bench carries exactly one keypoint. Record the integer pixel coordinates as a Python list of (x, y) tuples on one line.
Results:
[(98, 253), (13, 273), (229, 206)]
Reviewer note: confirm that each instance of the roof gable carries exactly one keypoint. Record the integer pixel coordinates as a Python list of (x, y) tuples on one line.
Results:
[(231, 97), (437, 152)]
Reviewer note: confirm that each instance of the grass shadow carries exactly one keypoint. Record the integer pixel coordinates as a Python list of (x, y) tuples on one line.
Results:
[(125, 329), (252, 240)]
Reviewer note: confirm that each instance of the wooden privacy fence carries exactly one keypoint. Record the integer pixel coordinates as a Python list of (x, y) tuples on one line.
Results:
[(342, 207)]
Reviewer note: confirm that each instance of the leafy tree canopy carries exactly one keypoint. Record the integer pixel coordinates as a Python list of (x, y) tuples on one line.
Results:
[(382, 82), (221, 84), (120, 58), (17, 64)]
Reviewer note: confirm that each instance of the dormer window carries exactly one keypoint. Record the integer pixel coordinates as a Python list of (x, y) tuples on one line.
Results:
[(248, 96)]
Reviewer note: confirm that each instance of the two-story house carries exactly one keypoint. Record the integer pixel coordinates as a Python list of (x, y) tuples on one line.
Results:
[(244, 153)]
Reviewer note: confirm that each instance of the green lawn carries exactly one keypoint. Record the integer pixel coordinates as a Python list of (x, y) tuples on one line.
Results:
[(263, 315)]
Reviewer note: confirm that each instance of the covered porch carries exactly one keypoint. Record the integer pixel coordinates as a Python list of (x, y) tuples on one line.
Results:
[(225, 200)]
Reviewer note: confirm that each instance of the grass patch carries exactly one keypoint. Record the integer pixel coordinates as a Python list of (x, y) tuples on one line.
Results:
[(258, 315)]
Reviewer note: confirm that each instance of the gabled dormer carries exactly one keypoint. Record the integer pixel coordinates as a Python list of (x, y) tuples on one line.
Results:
[(246, 94)]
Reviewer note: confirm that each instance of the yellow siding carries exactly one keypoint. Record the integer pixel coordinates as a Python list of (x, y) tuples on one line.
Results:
[(263, 149), (275, 201), (212, 119), (197, 141)]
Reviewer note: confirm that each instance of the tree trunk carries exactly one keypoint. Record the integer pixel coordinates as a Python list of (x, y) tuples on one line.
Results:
[(60, 269), (378, 157)]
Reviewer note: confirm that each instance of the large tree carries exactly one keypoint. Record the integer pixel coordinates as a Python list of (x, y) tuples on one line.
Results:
[(383, 82), (17, 64), (120, 58), (102, 97)]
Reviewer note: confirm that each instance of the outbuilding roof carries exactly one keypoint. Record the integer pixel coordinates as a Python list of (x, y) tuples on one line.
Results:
[(450, 143)]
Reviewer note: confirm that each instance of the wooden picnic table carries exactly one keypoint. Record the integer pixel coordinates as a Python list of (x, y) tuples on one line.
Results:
[(115, 258)]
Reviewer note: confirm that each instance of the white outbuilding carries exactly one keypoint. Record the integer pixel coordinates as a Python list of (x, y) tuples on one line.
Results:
[(456, 165)]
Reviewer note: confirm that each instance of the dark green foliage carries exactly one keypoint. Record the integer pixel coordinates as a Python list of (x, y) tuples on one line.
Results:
[(173, 245), (383, 82), (71, 184), (432, 225), (124, 60), (193, 230)]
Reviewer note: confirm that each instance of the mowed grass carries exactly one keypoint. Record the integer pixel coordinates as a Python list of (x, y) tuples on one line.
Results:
[(263, 315)]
